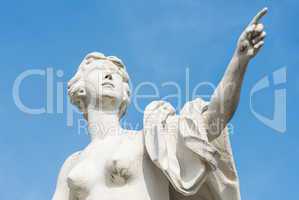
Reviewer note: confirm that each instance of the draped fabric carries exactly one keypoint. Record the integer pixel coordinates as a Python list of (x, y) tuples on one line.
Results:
[(198, 169)]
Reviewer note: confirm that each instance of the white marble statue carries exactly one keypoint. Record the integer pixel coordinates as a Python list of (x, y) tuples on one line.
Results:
[(184, 156)]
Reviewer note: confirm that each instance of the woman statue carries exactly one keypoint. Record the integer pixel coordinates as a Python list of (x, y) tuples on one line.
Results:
[(185, 156)]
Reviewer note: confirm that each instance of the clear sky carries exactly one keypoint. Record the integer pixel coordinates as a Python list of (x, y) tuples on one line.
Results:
[(158, 41)]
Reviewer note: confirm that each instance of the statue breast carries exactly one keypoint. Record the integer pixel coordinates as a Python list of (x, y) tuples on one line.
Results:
[(125, 164), (111, 163)]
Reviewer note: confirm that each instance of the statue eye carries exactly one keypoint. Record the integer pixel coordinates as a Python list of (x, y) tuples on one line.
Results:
[(108, 76)]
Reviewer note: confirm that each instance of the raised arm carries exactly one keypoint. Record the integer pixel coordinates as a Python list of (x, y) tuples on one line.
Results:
[(225, 98)]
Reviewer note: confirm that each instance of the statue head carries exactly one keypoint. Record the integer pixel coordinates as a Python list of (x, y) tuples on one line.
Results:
[(101, 82)]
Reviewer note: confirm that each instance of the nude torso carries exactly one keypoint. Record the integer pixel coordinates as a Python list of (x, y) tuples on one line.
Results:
[(115, 168)]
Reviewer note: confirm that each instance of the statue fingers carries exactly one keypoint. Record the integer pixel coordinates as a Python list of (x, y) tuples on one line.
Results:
[(254, 30), (259, 38), (250, 31), (258, 17), (259, 28), (258, 46)]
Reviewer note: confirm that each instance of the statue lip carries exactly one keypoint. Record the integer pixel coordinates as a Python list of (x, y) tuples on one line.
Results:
[(109, 84)]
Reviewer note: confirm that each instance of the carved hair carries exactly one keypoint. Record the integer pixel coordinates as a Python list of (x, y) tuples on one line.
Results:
[(78, 97)]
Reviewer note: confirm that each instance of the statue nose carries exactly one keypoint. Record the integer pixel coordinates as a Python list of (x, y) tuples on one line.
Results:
[(108, 77)]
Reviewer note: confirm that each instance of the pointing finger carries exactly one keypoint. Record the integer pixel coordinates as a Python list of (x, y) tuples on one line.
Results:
[(258, 17)]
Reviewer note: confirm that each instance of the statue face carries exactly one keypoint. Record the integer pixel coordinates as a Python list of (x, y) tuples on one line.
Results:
[(103, 80)]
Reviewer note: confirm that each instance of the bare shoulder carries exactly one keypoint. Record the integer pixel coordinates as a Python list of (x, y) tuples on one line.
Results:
[(72, 158), (69, 163), (62, 190)]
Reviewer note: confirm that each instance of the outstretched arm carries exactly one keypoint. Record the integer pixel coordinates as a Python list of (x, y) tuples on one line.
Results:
[(225, 99)]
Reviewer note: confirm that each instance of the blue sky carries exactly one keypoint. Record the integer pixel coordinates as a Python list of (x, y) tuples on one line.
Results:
[(157, 40)]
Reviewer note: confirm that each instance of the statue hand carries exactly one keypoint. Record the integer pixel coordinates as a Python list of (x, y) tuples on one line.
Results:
[(252, 39)]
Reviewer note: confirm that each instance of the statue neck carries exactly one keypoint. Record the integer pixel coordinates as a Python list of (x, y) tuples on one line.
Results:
[(102, 124)]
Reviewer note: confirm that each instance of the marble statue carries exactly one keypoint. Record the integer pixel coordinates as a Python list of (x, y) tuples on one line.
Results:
[(185, 156)]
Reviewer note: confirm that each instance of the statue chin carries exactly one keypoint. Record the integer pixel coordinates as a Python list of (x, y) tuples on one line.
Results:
[(107, 101)]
